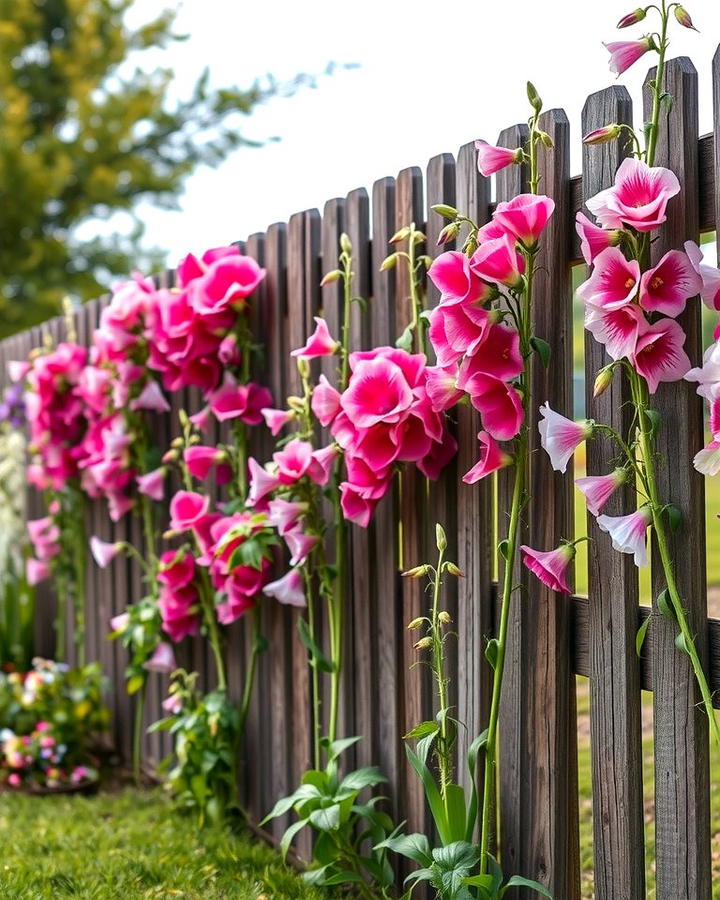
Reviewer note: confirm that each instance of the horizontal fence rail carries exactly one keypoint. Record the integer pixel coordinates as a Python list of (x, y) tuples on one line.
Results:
[(552, 638)]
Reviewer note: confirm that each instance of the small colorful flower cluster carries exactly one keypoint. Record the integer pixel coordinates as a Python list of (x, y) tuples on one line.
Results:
[(12, 406), (38, 760), (44, 536), (477, 352)]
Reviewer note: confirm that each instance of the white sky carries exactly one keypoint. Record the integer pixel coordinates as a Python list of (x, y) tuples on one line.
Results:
[(431, 76)]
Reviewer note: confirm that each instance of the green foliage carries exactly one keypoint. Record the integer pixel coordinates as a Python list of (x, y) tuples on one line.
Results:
[(140, 636), (205, 730), (351, 835), (85, 136)]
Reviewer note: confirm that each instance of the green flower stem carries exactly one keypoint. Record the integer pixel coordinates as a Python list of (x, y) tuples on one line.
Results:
[(438, 667), (241, 448), (80, 588), (148, 523), (137, 733), (336, 600), (647, 450), (250, 672), (63, 603), (314, 674), (657, 91)]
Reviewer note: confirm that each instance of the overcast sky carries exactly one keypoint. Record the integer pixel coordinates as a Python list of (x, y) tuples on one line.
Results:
[(430, 77)]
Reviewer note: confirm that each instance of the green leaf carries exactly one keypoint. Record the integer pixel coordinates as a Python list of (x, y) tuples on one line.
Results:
[(665, 606), (413, 846), (674, 514), (404, 342), (456, 814), (283, 805), (290, 833), (317, 657), (337, 748), (655, 420), (368, 776), (519, 881), (327, 819), (432, 793), (640, 637), (682, 644), (491, 652), (503, 549), (543, 350), (422, 730), (346, 877)]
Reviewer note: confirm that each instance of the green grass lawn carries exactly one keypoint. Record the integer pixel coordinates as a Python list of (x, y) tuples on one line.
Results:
[(127, 845)]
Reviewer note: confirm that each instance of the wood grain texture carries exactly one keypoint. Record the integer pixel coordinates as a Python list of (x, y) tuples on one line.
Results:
[(682, 812), (615, 724)]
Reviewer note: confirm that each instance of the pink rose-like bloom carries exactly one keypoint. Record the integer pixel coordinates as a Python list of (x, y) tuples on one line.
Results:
[(229, 351), (491, 459), (498, 261), (179, 611), (499, 404), (276, 419), (493, 159), (614, 280), (452, 276), (659, 354), (525, 216), (628, 533), (187, 508), (224, 278), (104, 552), (177, 568), (378, 391), (598, 489), (593, 239), (560, 437), (550, 566), (710, 290), (325, 401), (638, 198), (707, 460), (624, 54), (456, 330), (289, 589), (668, 286), (320, 342), (120, 622), (617, 329), (498, 355), (356, 507), (162, 660)]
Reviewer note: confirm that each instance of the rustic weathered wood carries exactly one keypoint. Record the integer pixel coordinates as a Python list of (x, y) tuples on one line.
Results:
[(682, 813), (615, 723), (713, 165)]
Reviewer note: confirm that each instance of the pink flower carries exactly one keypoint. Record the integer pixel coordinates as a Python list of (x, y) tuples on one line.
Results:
[(18, 369), (492, 159), (293, 461), (322, 463), (525, 216), (320, 343), (14, 780), (225, 278), (456, 330), (187, 508), (36, 571), (151, 397), (153, 483), (229, 351), (201, 419), (240, 401), (275, 419), (491, 459), (441, 387), (659, 354), (378, 392), (285, 514), (299, 544), (498, 261), (176, 569), (638, 198), (498, 355), (598, 489), (325, 401), (593, 239), (356, 508), (628, 533), (614, 280), (162, 660), (708, 375), (104, 552), (551, 567), (617, 329), (707, 460), (289, 589), (179, 611), (262, 482), (710, 290), (499, 403), (120, 622), (201, 460), (668, 286), (624, 53), (172, 704), (560, 437), (452, 276)]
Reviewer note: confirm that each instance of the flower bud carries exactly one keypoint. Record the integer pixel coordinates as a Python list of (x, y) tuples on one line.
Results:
[(345, 244), (303, 368), (683, 17), (416, 623), (296, 404), (449, 233), (331, 277), (402, 234), (447, 212), (452, 569), (389, 262), (546, 140), (444, 617), (637, 15), (423, 643), (534, 97), (417, 572), (603, 135), (603, 380), (440, 538), (178, 443)]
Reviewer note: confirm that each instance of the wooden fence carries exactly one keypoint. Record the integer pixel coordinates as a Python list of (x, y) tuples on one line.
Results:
[(551, 638)]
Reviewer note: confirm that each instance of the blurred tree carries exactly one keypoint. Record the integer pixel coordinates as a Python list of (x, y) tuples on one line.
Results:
[(83, 135)]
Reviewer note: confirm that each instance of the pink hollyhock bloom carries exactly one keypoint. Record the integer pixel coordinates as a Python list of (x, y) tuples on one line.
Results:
[(151, 397), (325, 401), (550, 566), (201, 419), (179, 611), (710, 290), (176, 569), (356, 508), (525, 216), (40, 529), (200, 460), (617, 329), (118, 505), (493, 159), (172, 704), (498, 261), (560, 437), (187, 508), (614, 280), (638, 198), (412, 439), (624, 54), (708, 375), (229, 351), (499, 355), (275, 419), (228, 280), (492, 458), (490, 231), (240, 401), (18, 369), (378, 392), (120, 622), (707, 461), (320, 343), (289, 589), (162, 660), (499, 404), (153, 483), (323, 460), (285, 514), (262, 482), (659, 354), (293, 461), (299, 544), (441, 386), (104, 552), (452, 276), (412, 365), (598, 489), (458, 329), (668, 286), (36, 571), (628, 533), (441, 452), (593, 239)]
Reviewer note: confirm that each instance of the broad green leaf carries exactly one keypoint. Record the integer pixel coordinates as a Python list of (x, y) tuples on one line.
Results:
[(455, 803), (290, 833), (347, 877), (412, 846), (337, 748), (422, 730), (432, 793), (519, 881), (327, 819), (641, 635), (682, 644), (317, 657), (665, 606), (491, 652), (543, 350), (674, 515), (368, 776)]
